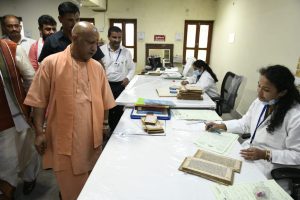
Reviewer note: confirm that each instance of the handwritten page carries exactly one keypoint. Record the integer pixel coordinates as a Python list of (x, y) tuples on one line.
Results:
[(192, 114), (268, 189), (215, 142)]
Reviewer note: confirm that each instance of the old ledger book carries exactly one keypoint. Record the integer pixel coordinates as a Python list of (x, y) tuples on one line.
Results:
[(209, 170), (232, 163)]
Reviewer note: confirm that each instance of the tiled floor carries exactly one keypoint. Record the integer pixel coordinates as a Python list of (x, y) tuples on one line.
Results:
[(46, 188)]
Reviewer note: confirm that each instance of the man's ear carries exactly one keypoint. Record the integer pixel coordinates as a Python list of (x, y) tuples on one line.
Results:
[(60, 18), (74, 37)]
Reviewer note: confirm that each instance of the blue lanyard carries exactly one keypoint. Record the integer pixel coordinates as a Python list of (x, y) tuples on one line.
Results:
[(259, 122), (118, 55)]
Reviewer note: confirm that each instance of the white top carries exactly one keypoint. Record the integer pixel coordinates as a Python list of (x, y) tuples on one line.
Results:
[(206, 82), (24, 66), (26, 43), (138, 167), (118, 64), (284, 142)]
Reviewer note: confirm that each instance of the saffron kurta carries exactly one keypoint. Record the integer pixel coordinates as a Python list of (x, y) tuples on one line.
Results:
[(76, 94)]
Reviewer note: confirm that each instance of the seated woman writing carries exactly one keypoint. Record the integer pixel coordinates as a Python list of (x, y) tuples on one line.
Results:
[(204, 77), (273, 120)]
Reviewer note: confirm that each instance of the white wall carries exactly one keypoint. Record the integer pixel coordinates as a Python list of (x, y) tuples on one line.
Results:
[(160, 17), (267, 32), (31, 10)]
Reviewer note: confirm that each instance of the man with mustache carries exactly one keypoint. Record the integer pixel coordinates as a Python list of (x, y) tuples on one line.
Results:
[(18, 158), (119, 68), (12, 31)]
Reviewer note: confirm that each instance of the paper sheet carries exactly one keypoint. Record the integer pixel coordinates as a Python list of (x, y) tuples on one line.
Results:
[(184, 126), (215, 142), (137, 129), (192, 114), (165, 92), (250, 191)]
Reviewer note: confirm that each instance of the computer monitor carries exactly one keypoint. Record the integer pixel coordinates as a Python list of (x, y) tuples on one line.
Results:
[(155, 62)]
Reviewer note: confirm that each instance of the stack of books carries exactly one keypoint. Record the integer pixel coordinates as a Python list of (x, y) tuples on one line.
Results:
[(190, 92), (212, 166), (160, 108), (151, 125)]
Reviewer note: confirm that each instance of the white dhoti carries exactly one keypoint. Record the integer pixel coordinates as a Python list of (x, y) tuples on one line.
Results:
[(18, 156)]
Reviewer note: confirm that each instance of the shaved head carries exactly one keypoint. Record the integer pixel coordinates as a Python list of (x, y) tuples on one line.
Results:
[(84, 40), (81, 28)]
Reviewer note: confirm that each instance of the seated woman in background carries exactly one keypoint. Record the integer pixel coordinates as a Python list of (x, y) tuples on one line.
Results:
[(273, 120), (204, 77)]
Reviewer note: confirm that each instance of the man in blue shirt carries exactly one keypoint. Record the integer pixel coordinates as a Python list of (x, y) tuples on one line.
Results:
[(68, 16)]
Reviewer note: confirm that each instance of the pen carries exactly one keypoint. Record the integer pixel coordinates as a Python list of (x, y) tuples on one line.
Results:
[(215, 130)]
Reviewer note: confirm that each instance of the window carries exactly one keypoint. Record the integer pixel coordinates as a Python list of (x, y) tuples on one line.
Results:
[(129, 39), (91, 20), (197, 39)]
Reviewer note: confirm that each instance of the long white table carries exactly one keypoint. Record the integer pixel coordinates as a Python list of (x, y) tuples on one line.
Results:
[(145, 87), (136, 167)]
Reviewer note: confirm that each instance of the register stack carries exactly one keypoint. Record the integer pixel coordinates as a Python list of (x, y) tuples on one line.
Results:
[(190, 92), (151, 125)]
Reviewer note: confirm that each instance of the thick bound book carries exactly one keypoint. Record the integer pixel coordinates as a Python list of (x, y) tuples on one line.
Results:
[(232, 163), (151, 125), (208, 170), (190, 92), (212, 166)]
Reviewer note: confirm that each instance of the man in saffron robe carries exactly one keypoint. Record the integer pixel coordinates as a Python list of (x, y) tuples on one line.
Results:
[(74, 88)]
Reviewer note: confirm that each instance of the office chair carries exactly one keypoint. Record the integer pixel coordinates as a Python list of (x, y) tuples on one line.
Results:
[(293, 175), (230, 85)]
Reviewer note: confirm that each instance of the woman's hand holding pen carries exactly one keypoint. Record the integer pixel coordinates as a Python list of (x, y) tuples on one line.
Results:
[(210, 126), (253, 153)]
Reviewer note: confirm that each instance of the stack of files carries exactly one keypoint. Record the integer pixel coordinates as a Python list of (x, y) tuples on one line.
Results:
[(153, 102), (212, 166), (151, 125), (190, 92), (161, 112)]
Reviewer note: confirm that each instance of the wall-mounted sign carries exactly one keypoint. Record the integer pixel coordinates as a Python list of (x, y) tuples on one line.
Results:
[(159, 38)]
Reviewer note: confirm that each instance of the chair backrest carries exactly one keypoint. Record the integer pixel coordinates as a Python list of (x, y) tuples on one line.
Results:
[(229, 89), (188, 70)]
